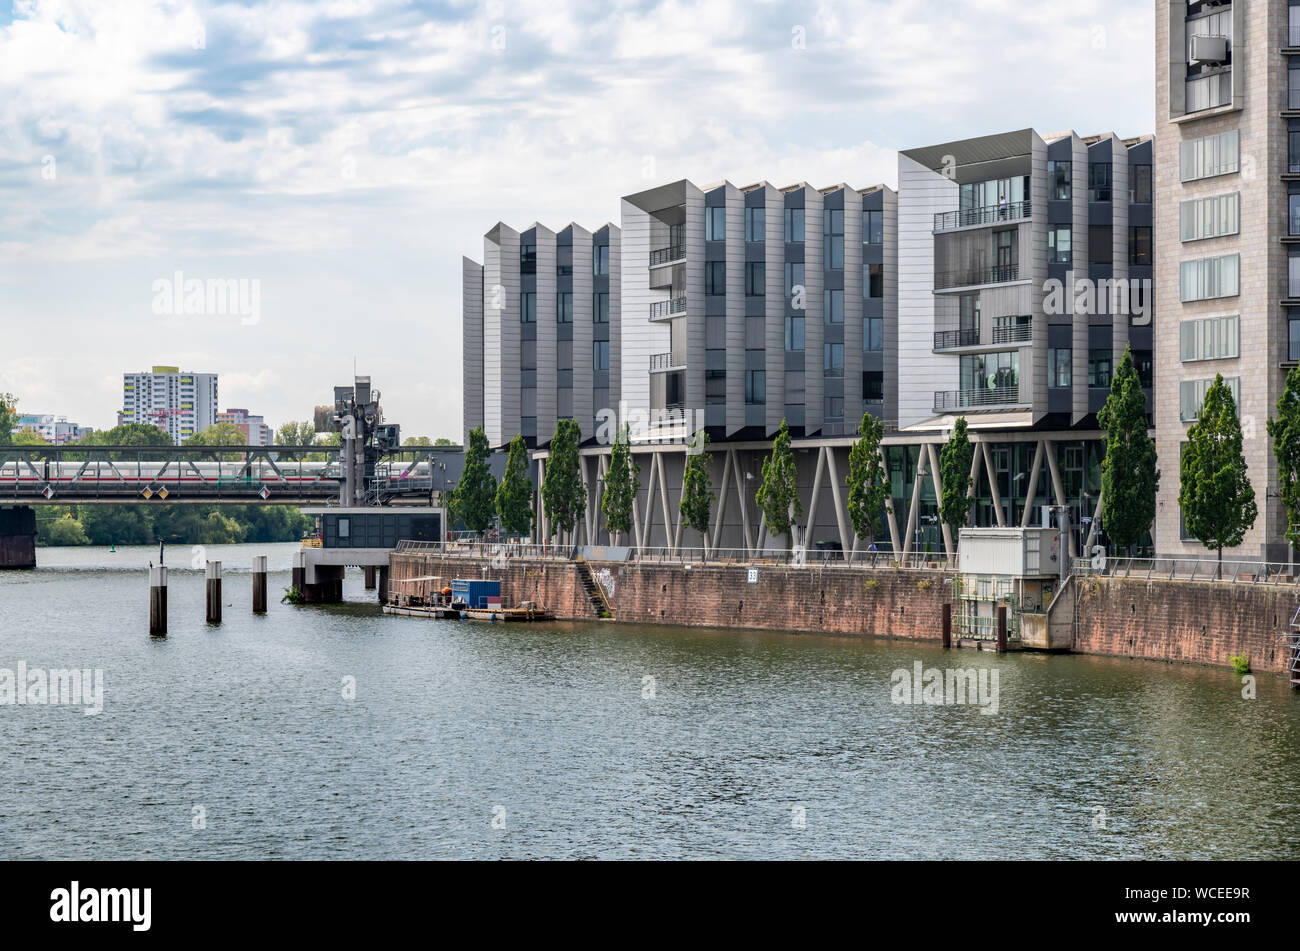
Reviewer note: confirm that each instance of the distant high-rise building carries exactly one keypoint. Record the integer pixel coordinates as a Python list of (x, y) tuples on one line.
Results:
[(180, 403), (254, 428)]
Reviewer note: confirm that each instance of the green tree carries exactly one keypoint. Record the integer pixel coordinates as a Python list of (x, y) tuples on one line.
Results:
[(562, 489), (117, 524), (697, 489), (621, 483), (473, 500), (27, 437), (296, 434), (58, 526), (778, 496), (868, 482), (417, 441), (1129, 477), (8, 417), (1216, 497), (443, 441), (515, 493), (1285, 432), (954, 472)]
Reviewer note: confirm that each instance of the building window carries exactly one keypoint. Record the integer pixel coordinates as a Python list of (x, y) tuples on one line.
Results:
[(1209, 278), (1210, 338), (345, 527), (833, 359), (794, 333), (1293, 276), (600, 354), (987, 371), (1293, 88), (1191, 396), (1099, 363), (755, 279), (600, 308), (1101, 249), (873, 227), (969, 313), (1058, 244), (873, 281), (528, 307), (1058, 180), (833, 408), (833, 307), (1209, 92), (755, 224), (1139, 184), (1293, 146), (1293, 216), (1059, 366), (563, 260), (793, 278), (1099, 175), (833, 235), (1211, 217), (1139, 244), (873, 386), (873, 334), (715, 224), (600, 259), (1144, 362), (715, 277), (564, 307), (794, 226), (527, 257), (755, 387), (1209, 156), (1293, 339)]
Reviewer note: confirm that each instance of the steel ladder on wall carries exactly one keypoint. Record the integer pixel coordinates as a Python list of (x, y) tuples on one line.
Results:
[(1293, 650)]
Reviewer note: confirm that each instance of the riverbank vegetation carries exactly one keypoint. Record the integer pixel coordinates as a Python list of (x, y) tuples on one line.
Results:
[(148, 524)]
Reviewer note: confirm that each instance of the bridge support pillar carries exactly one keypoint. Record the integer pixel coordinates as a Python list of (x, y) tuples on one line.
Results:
[(327, 588), (383, 584), (259, 584), (158, 601), (212, 578), (17, 537), (299, 577), (370, 577)]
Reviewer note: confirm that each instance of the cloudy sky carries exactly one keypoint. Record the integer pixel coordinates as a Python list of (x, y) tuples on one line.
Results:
[(344, 154)]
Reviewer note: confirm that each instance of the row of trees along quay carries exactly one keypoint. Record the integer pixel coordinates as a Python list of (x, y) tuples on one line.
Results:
[(1215, 494)]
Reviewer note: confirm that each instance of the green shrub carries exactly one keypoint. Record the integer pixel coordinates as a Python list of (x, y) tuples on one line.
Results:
[(1240, 663)]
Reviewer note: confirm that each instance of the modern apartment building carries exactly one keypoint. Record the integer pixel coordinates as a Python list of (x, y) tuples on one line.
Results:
[(254, 428), (1227, 181), (180, 402), (541, 323), (746, 306), (53, 429)]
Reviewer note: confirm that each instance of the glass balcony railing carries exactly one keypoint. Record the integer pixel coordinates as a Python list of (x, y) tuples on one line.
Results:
[(666, 255), (979, 398), (968, 277), (988, 215), (667, 308)]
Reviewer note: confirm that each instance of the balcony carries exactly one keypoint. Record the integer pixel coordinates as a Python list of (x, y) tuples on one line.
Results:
[(668, 255), (663, 361), (947, 401), (988, 215), (975, 276), (1021, 333), (948, 339), (661, 310)]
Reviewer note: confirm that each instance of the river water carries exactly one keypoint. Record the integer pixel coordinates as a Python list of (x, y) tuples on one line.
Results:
[(465, 740)]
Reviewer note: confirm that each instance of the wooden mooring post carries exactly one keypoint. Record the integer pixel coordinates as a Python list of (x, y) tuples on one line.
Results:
[(158, 601), (1002, 628), (212, 577), (259, 584), (947, 625), (370, 576)]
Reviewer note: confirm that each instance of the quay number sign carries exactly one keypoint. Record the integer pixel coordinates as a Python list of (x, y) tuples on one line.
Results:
[(753, 576)]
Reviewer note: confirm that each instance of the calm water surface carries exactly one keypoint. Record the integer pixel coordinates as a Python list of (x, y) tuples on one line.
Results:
[(545, 728)]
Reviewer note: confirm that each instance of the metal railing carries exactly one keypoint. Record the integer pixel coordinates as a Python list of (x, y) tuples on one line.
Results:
[(667, 308), (502, 552), (987, 215), (971, 277), (1191, 568), (946, 339), (663, 361), (673, 252), (945, 400), (1016, 334)]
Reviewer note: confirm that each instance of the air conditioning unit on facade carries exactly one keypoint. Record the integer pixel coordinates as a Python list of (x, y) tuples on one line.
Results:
[(1209, 49)]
